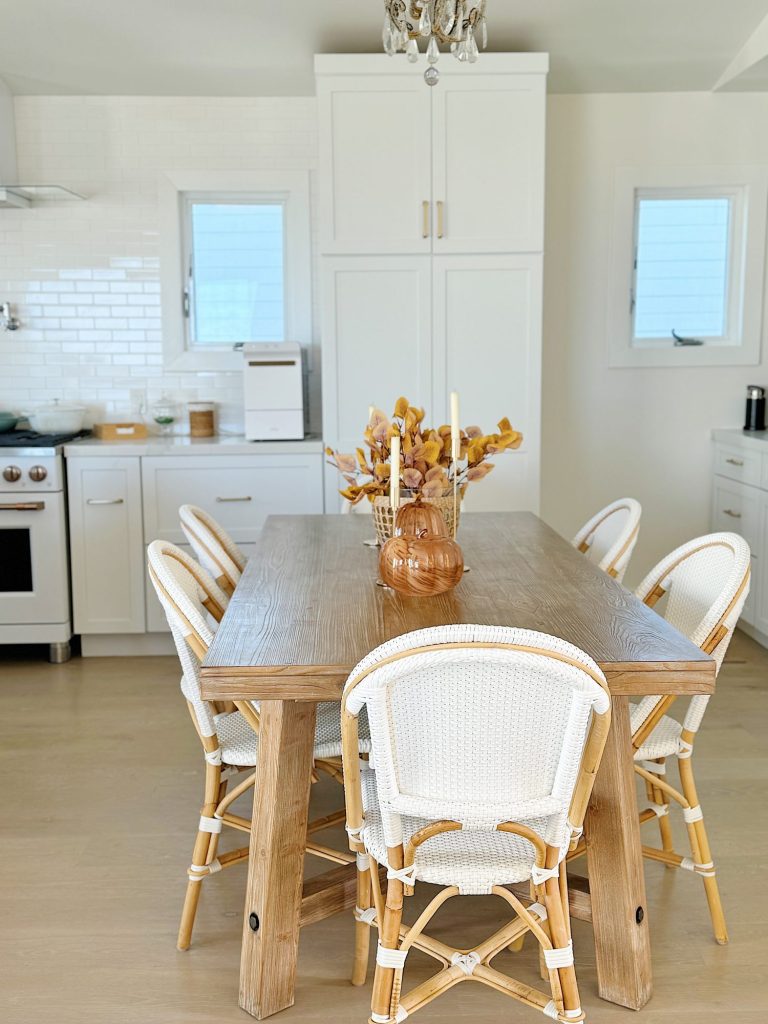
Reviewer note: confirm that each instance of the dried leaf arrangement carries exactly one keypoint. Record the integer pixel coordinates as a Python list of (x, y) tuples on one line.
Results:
[(426, 465)]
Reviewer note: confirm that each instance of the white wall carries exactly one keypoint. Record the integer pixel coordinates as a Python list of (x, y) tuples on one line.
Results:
[(640, 432), (84, 275)]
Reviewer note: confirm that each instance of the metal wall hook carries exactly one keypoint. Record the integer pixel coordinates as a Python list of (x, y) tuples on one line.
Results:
[(7, 320)]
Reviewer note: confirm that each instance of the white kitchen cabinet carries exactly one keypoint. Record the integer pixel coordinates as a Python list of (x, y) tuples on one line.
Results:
[(488, 162), (375, 164), (486, 342), (106, 544), (405, 315), (740, 505), (453, 168)]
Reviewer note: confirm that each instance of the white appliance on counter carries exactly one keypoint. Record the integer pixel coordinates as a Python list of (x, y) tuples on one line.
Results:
[(273, 384), (34, 564)]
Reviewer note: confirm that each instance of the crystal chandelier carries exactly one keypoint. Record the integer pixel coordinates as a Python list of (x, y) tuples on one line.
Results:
[(452, 22)]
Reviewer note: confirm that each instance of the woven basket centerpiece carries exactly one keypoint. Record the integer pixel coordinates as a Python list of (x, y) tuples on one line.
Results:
[(384, 517)]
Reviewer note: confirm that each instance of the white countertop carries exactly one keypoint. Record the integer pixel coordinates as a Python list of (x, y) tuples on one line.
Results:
[(176, 445), (757, 441)]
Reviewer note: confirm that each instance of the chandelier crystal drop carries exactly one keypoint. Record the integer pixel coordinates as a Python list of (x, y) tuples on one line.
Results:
[(453, 23)]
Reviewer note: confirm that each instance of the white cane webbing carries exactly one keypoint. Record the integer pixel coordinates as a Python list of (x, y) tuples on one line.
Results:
[(473, 861), (208, 538), (702, 579), (612, 535), (477, 735), (664, 740)]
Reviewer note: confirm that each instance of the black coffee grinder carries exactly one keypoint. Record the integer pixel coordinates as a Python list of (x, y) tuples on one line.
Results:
[(755, 419)]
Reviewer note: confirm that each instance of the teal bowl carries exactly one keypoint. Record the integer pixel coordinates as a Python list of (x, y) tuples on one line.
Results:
[(7, 422)]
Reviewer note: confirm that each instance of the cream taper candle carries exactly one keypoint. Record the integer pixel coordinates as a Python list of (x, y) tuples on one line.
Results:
[(371, 410), (394, 473), (455, 428)]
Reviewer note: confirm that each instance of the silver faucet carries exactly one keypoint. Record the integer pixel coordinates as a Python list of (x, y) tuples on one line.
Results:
[(7, 320)]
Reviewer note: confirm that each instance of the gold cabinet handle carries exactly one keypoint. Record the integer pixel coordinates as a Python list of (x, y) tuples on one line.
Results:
[(440, 205), (735, 462), (731, 513), (425, 219)]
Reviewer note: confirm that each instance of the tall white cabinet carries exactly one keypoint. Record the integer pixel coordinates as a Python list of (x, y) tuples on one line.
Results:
[(432, 219)]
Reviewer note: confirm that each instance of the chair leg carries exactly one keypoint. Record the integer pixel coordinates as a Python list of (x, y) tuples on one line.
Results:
[(556, 902), (362, 928), (386, 983), (203, 852), (665, 829), (702, 853)]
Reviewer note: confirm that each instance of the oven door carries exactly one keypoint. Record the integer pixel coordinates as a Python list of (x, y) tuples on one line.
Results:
[(34, 579)]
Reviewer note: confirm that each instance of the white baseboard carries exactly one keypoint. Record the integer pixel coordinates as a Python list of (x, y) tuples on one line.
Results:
[(126, 645)]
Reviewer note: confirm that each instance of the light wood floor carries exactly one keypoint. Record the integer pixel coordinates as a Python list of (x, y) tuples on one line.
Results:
[(101, 775)]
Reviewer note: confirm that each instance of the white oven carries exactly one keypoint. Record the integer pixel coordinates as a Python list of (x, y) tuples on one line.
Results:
[(34, 564)]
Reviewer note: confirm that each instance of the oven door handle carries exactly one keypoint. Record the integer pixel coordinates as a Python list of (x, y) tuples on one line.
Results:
[(23, 506)]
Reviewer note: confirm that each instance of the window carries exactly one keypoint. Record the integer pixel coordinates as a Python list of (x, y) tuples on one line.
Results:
[(235, 271), (688, 290), (235, 265)]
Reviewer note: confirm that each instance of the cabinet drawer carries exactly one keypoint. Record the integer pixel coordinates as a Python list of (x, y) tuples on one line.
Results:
[(738, 464), (239, 491), (736, 509)]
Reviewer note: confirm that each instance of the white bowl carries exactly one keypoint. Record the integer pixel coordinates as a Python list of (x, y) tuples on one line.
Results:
[(57, 418)]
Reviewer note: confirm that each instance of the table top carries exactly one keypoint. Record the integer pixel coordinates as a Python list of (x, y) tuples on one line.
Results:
[(307, 609)]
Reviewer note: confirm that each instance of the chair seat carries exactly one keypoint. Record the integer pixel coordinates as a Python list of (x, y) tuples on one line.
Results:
[(239, 743), (664, 740), (473, 861)]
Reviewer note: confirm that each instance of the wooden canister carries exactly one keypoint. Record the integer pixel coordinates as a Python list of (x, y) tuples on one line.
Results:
[(201, 419)]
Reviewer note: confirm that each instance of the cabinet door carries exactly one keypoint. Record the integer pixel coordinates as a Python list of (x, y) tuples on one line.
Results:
[(488, 158), (240, 491), (376, 345), (106, 544), (487, 343), (736, 508), (758, 597), (375, 164)]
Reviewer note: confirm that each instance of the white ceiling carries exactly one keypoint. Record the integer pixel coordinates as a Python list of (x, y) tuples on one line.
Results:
[(252, 47)]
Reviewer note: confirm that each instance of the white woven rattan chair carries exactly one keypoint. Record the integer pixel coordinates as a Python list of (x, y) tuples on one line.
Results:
[(609, 537), (190, 596), (703, 586), (214, 548), (486, 741)]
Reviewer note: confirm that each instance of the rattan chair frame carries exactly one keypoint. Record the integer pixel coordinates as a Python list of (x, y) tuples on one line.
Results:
[(616, 559), (213, 546), (217, 797), (546, 916)]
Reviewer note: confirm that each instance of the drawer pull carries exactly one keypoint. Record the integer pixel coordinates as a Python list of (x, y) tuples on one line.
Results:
[(731, 513), (105, 501), (735, 462), (248, 498)]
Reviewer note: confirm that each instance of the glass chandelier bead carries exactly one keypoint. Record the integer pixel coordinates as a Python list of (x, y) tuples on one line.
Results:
[(412, 50), (433, 51), (425, 21)]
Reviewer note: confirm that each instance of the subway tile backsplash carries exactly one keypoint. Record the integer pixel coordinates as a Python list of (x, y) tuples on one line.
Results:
[(83, 277)]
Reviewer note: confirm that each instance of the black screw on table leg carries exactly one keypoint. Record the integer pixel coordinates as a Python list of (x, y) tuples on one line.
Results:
[(639, 915), (253, 921)]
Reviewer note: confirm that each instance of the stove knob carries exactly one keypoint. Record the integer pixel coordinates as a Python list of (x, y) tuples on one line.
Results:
[(38, 473), (11, 474)]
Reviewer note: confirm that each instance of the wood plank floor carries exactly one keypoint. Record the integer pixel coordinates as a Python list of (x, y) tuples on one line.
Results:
[(101, 778)]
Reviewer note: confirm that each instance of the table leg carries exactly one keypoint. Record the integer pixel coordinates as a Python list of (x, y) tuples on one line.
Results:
[(276, 864), (616, 879)]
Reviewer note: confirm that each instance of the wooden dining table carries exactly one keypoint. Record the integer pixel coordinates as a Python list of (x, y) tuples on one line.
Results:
[(308, 608)]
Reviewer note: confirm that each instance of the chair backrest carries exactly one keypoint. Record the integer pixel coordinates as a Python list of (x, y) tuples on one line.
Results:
[(213, 546), (189, 596), (700, 588), (478, 724), (609, 538)]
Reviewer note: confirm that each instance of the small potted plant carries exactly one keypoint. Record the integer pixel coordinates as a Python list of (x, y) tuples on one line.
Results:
[(427, 468)]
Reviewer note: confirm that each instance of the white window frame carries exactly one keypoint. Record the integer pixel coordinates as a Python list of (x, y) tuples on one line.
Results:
[(747, 187), (289, 187)]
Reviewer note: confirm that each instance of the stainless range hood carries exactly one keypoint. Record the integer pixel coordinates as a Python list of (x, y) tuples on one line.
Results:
[(13, 193)]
